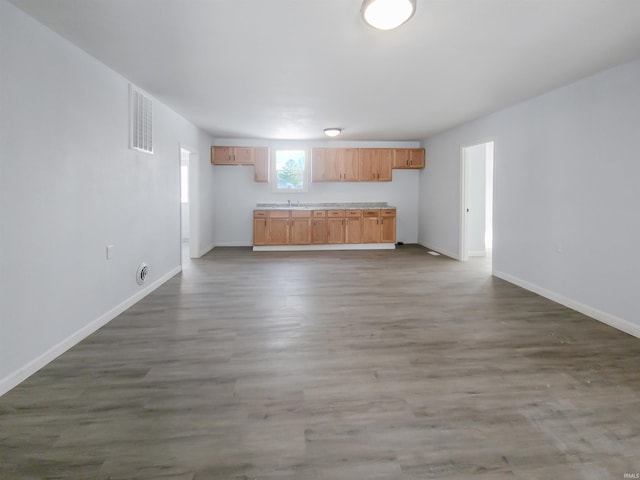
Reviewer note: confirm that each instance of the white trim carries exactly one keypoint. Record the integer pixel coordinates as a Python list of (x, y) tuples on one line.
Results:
[(233, 244), (442, 251), (604, 317), (334, 246), (206, 249), (478, 253), (24, 372)]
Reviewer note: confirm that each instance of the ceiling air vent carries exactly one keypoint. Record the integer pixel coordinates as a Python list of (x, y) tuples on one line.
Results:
[(141, 274), (140, 120)]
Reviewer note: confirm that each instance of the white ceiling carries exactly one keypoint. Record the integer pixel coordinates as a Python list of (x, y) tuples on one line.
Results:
[(286, 69)]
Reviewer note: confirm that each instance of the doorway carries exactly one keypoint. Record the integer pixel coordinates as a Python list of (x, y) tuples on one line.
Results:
[(476, 216)]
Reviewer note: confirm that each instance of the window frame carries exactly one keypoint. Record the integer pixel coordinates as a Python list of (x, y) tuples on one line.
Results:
[(305, 173)]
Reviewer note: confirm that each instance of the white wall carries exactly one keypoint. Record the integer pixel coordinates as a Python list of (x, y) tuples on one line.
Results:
[(69, 186), (566, 194), (236, 193)]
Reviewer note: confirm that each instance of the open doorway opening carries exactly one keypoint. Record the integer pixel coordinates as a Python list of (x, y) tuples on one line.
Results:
[(185, 215), (476, 216)]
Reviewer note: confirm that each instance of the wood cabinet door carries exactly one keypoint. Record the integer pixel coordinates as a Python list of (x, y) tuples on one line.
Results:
[(278, 226), (335, 230), (401, 158), (222, 155), (417, 158), (300, 227), (371, 226), (261, 162), (317, 164), (385, 164), (388, 226), (333, 165), (319, 231), (367, 165), (353, 230), (243, 155), (350, 165), (260, 232)]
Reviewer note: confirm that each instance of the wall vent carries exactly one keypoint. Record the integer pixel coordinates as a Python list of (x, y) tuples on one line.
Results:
[(141, 274), (140, 120)]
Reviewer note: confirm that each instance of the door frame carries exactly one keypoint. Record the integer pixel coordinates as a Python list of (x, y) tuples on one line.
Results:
[(194, 219), (463, 253)]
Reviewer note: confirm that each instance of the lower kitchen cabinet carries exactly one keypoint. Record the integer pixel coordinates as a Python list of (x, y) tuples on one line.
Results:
[(278, 226), (353, 226), (388, 226), (300, 227), (371, 226), (323, 227), (335, 226), (319, 227), (260, 231)]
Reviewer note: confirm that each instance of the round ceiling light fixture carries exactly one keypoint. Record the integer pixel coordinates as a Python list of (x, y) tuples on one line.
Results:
[(332, 132), (387, 14)]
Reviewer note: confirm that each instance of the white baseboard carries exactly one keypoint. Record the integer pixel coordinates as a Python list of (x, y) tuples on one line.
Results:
[(205, 250), (339, 246), (604, 317), (24, 372), (478, 253), (443, 252), (233, 244)]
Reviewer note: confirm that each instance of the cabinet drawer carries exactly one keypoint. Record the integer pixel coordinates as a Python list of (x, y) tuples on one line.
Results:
[(371, 213), (335, 213), (300, 213), (388, 213), (279, 214), (319, 213), (259, 214), (353, 213)]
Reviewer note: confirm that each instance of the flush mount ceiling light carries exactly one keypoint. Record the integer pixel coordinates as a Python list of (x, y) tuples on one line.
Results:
[(387, 14), (332, 132)]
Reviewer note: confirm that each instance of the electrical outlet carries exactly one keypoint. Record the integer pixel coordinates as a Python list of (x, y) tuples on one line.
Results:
[(109, 252)]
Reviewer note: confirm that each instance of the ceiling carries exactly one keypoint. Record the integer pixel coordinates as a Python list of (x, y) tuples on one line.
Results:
[(287, 69)]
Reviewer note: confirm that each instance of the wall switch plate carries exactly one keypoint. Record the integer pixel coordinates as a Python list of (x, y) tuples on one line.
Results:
[(109, 252)]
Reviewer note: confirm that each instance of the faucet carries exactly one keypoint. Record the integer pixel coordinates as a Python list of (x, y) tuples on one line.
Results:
[(289, 201)]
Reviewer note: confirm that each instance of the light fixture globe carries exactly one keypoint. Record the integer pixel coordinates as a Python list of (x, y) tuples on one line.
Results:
[(332, 132), (387, 14)]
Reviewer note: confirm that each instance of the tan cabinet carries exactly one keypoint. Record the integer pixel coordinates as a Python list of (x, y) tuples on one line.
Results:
[(353, 226), (232, 155), (375, 164), (319, 227), (261, 163), (388, 226), (300, 227), (322, 227), (335, 226), (278, 226), (408, 158), (334, 165), (260, 231), (371, 226)]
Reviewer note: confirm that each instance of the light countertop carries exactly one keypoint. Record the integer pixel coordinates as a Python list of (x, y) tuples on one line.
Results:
[(324, 206)]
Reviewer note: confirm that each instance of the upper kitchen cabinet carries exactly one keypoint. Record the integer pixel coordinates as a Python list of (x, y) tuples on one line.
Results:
[(408, 158), (256, 156), (375, 164), (232, 155), (334, 165), (261, 162)]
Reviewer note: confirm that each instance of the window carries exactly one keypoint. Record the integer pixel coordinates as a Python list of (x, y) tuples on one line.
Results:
[(290, 175)]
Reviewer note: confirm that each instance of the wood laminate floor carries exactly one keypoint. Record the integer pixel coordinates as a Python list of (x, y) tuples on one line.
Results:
[(363, 365)]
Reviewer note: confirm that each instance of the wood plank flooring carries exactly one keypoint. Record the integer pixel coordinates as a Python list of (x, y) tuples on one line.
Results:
[(333, 366)]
